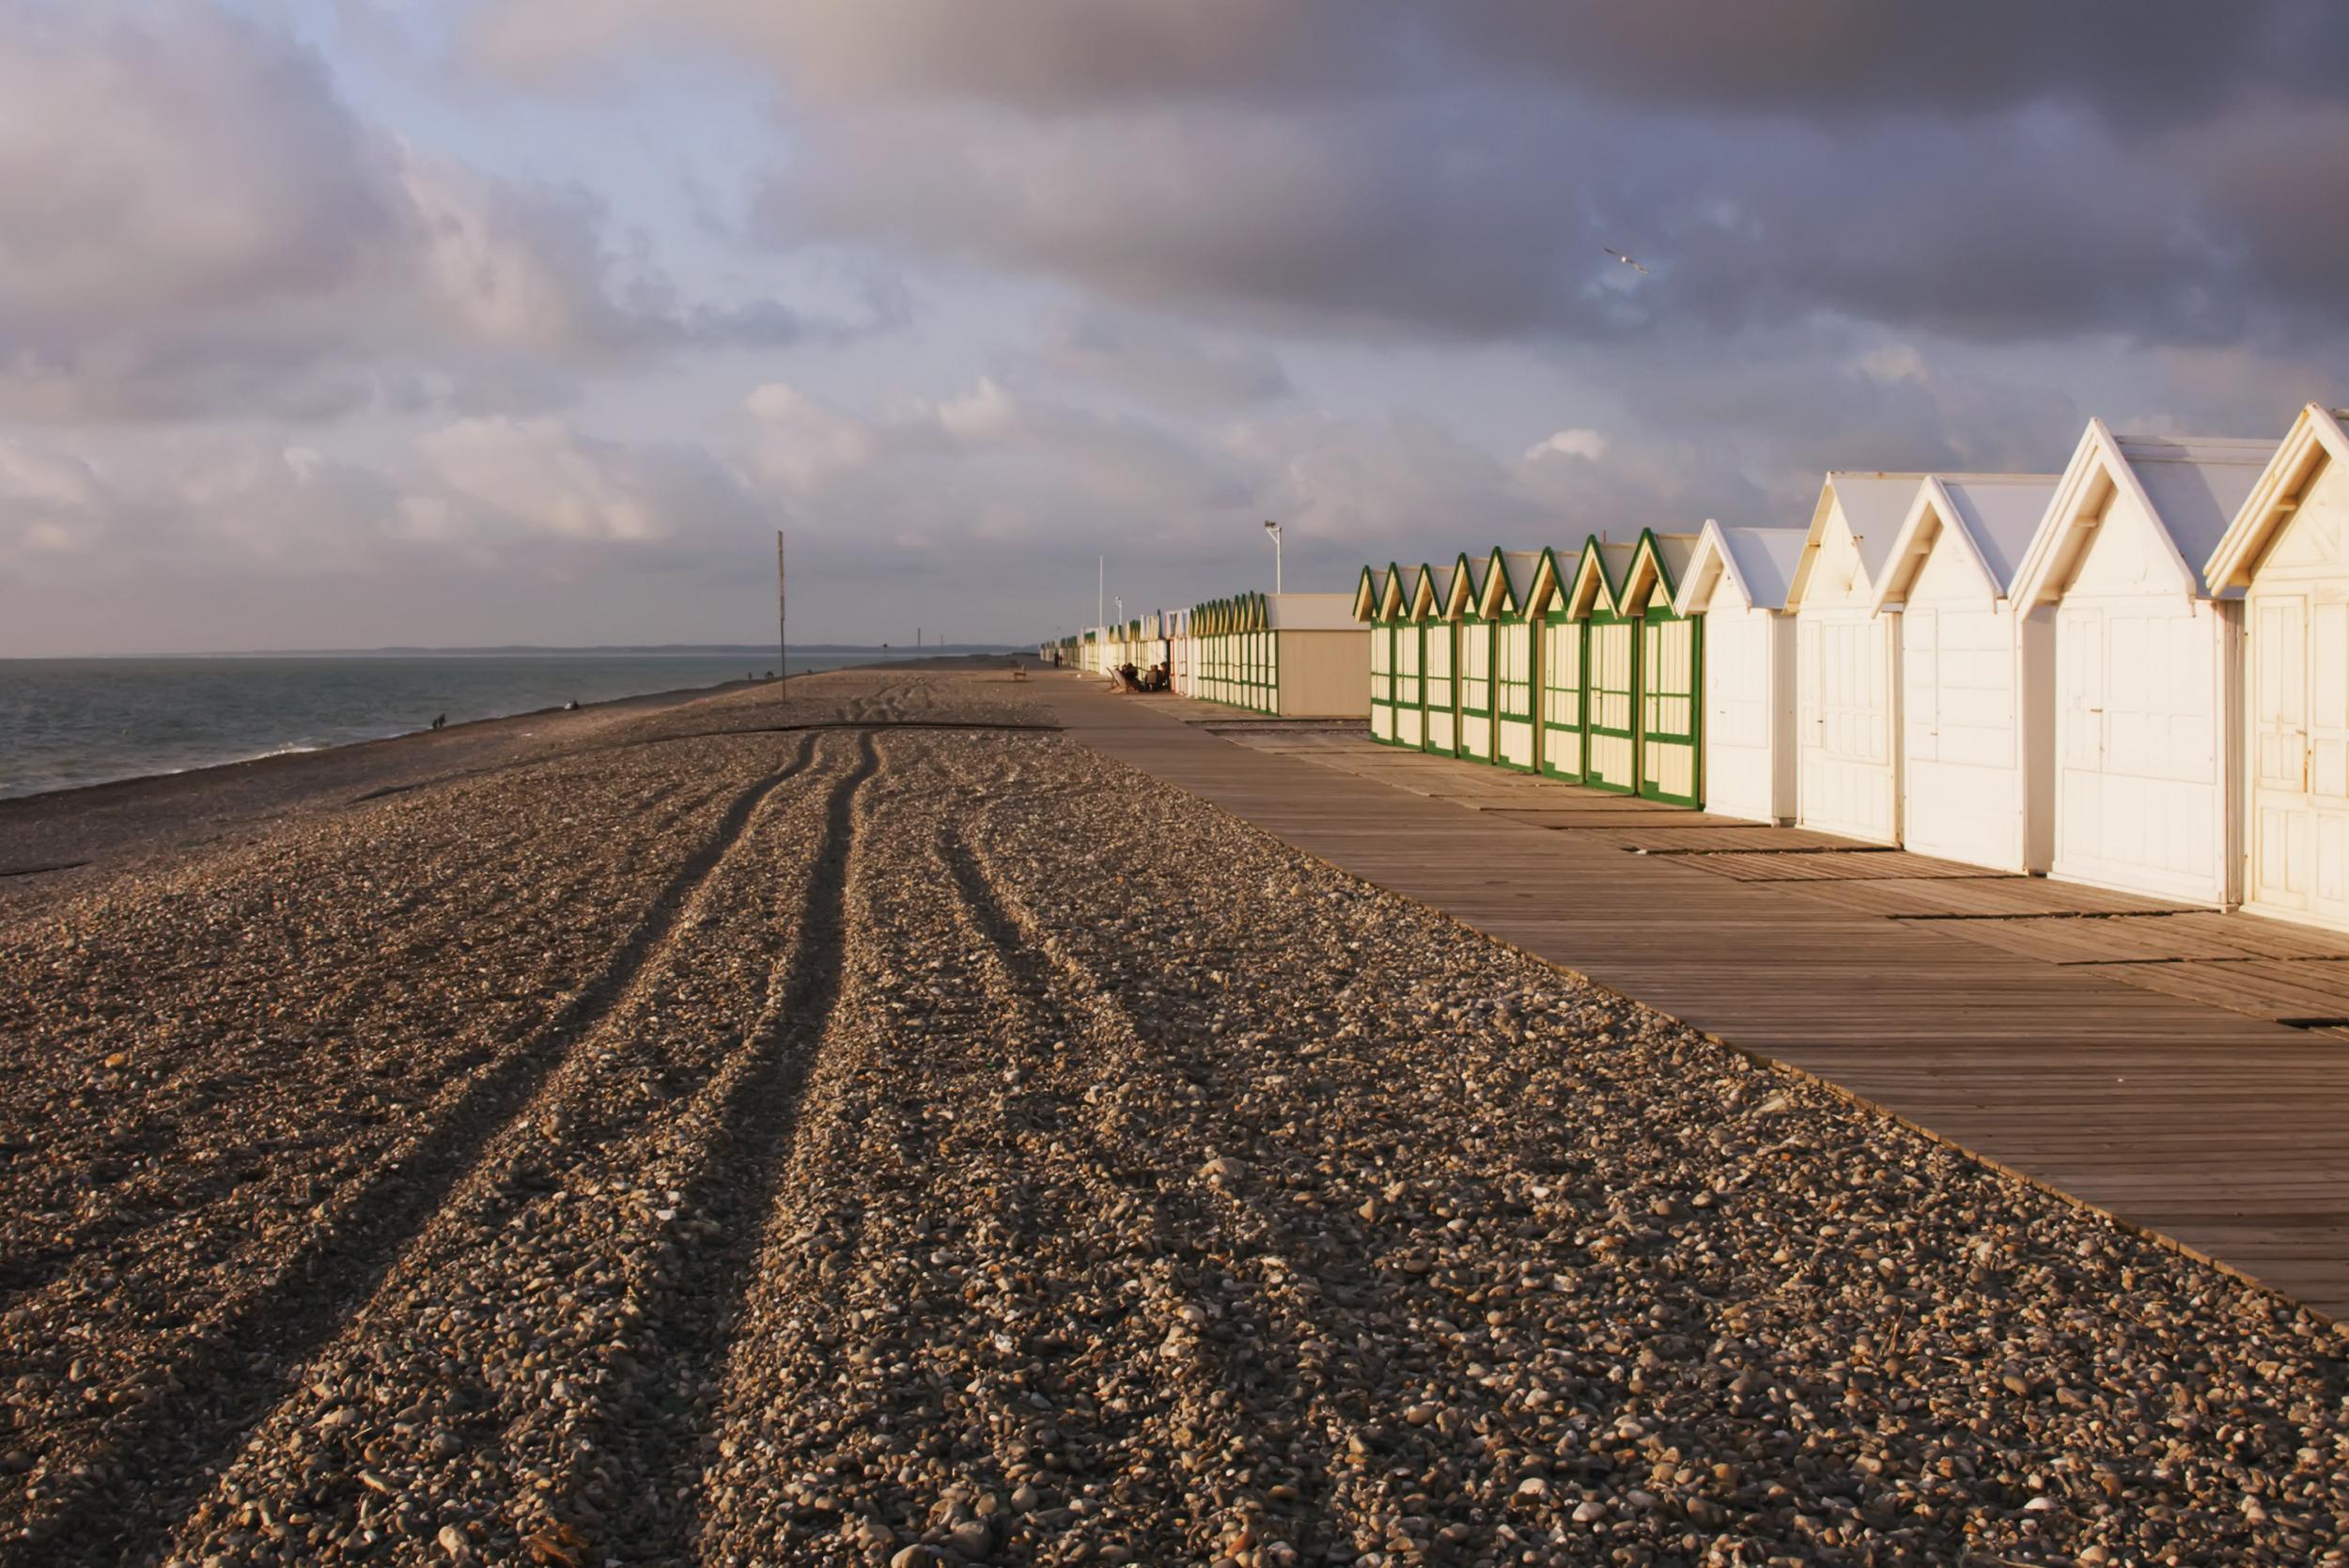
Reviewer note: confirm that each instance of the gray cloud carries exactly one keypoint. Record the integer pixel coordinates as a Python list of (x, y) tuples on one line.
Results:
[(1160, 361), (195, 224)]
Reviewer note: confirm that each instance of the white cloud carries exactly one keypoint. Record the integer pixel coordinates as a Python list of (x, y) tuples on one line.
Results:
[(1575, 442)]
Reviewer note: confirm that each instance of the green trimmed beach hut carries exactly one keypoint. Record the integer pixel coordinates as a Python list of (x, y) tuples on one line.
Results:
[(1502, 604), (1438, 646), (1464, 607), (1377, 598), (1610, 667), (1410, 713), (1562, 743), (1670, 670)]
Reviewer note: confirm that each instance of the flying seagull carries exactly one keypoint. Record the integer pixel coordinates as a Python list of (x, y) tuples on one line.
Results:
[(1629, 262)]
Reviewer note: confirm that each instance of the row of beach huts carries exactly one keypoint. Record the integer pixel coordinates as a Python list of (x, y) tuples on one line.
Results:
[(2133, 674)]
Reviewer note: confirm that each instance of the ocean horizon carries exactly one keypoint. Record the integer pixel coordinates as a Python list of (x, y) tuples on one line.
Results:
[(67, 723)]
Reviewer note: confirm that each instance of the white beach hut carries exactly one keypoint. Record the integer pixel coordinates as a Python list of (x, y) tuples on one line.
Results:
[(1847, 659), (1976, 746), (2288, 551), (1737, 580), (1503, 604), (2147, 661)]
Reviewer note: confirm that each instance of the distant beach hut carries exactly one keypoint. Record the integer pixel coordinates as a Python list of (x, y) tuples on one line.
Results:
[(1290, 655), (1502, 606), (1846, 659), (1668, 672), (1180, 651), (2287, 550), (1440, 713), (2147, 666), (1736, 582), (1410, 714), (1611, 666), (1564, 739), (1372, 610), (1975, 782), (1463, 608)]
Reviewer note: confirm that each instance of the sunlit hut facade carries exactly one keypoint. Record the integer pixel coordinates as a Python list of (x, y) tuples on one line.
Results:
[(1410, 713), (1974, 779), (1609, 666), (2147, 666), (1670, 672), (2287, 550), (1736, 582), (1438, 707), (1297, 656), (1179, 651), (1378, 605), (1498, 667), (1848, 659)]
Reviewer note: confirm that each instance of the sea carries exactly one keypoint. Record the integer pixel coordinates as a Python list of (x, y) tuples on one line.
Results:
[(65, 723)]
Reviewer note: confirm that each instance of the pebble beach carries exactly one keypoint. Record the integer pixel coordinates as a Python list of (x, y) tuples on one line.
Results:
[(856, 1125)]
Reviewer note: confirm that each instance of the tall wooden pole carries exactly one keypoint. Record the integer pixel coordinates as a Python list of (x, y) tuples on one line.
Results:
[(783, 634)]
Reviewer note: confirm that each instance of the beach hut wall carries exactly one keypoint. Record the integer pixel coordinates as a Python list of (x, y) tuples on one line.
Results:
[(1562, 745), (2147, 663), (1439, 646), (1668, 673), (1314, 657), (2287, 550), (1737, 583), (1610, 664), (1374, 609), (1473, 660), (1976, 782), (1502, 604), (1847, 659), (1410, 713)]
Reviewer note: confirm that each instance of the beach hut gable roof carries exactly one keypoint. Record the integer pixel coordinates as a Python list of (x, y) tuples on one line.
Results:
[(1430, 592), (1757, 563), (1657, 562), (1873, 505), (1508, 582), (2317, 438), (1465, 595), (2188, 487), (1991, 518), (1398, 592), (1591, 588), (1547, 586), (1369, 602)]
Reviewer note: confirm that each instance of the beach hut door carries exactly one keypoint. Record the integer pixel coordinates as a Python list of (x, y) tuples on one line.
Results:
[(2300, 753)]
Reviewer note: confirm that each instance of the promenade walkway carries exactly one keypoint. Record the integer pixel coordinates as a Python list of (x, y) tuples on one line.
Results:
[(2051, 1028)]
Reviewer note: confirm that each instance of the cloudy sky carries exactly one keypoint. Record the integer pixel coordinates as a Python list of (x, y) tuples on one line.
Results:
[(335, 322)]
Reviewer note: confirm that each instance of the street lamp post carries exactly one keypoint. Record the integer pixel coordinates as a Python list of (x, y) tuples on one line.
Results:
[(1274, 529)]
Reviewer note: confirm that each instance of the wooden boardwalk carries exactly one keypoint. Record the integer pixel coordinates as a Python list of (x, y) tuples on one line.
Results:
[(2123, 1051)]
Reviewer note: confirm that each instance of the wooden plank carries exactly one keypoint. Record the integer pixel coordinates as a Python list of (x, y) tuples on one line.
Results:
[(1872, 865), (1724, 835), (1990, 898), (2100, 939)]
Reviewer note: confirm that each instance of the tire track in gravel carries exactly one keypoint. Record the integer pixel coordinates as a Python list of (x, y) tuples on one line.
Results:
[(99, 1242), (1124, 1062), (232, 1366), (1311, 1313), (916, 1030), (742, 1170), (1049, 1365), (475, 1386)]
